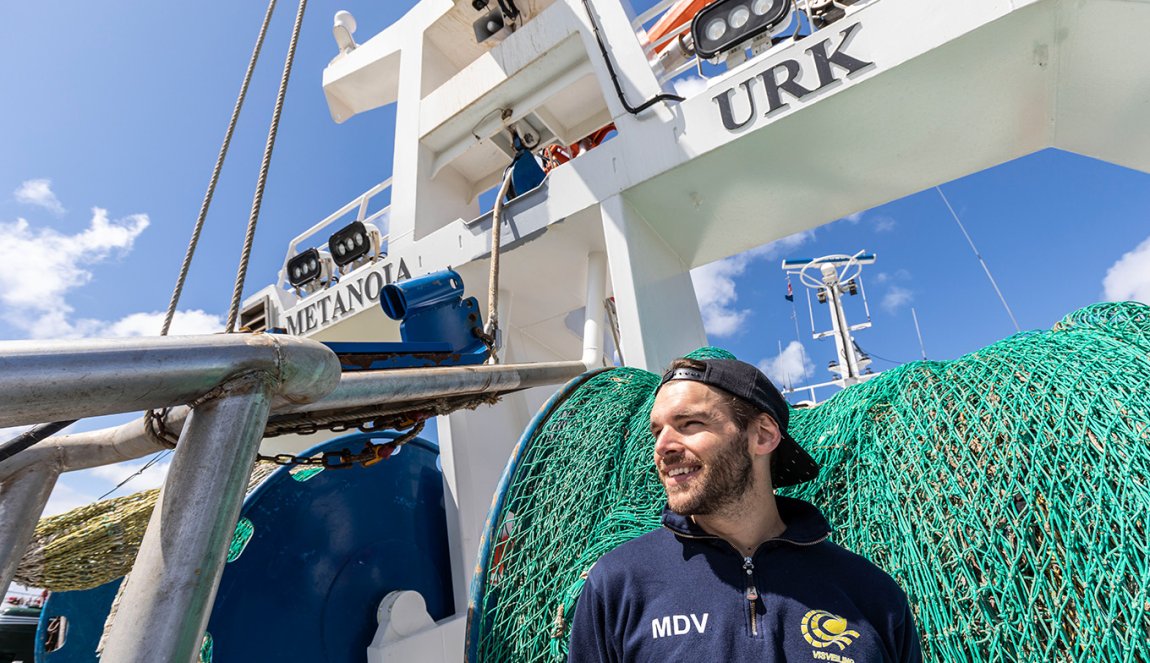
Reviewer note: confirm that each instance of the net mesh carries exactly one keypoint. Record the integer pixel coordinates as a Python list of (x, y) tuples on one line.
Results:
[(1006, 491), (97, 543)]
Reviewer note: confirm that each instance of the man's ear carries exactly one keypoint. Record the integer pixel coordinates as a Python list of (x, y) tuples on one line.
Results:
[(764, 435)]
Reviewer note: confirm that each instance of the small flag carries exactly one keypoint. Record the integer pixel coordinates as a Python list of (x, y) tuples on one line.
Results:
[(790, 291)]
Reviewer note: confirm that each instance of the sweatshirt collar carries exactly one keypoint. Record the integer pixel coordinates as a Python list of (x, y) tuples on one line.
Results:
[(805, 524)]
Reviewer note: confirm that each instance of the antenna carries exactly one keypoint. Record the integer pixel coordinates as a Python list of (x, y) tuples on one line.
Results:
[(831, 278), (985, 267), (919, 332)]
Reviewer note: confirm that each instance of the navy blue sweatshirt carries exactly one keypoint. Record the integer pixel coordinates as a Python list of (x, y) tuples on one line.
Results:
[(680, 594)]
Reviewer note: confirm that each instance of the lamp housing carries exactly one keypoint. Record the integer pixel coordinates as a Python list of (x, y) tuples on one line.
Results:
[(305, 268), (726, 24), (352, 242)]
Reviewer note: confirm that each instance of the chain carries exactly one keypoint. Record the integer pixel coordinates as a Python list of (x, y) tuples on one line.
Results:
[(371, 454), (409, 416), (373, 418)]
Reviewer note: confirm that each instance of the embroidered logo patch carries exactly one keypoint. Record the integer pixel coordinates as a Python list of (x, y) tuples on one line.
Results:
[(822, 629)]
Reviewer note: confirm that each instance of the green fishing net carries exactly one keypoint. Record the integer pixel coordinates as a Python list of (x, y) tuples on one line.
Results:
[(1006, 491)]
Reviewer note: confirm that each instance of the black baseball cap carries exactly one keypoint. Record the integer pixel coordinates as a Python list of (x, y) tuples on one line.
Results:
[(792, 464)]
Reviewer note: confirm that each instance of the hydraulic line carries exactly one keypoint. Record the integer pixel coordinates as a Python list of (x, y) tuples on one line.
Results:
[(634, 110), (30, 437)]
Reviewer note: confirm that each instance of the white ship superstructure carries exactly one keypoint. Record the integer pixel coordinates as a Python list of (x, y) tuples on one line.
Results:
[(893, 98), (709, 159)]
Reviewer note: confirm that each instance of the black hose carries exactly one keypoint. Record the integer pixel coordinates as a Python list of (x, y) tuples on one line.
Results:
[(509, 9), (634, 110), (30, 437)]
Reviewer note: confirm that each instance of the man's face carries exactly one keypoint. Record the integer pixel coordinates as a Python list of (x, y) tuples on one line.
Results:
[(700, 452)]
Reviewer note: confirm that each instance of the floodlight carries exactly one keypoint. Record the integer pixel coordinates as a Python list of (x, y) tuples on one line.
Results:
[(305, 268), (739, 17), (490, 25), (724, 25), (351, 243)]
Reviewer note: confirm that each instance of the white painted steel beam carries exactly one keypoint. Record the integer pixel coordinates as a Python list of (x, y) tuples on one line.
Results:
[(658, 313)]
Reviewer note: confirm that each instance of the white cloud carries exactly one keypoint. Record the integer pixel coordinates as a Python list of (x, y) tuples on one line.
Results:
[(853, 218), (65, 498), (896, 298), (715, 285), (884, 224), (886, 277), (1129, 277), (39, 193), (43, 265), (789, 367), (195, 321), (715, 289), (689, 86)]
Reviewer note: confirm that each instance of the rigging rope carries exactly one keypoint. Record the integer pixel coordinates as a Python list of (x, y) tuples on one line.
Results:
[(178, 290), (493, 277), (257, 201)]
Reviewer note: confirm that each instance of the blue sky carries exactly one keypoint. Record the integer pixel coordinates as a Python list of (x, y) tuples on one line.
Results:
[(114, 113)]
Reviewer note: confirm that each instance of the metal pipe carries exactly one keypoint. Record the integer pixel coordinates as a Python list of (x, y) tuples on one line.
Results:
[(80, 451), (596, 310), (55, 380), (168, 596), (129, 441), (367, 388), (22, 500)]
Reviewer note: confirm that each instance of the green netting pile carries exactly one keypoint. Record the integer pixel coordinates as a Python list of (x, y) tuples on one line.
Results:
[(98, 542), (1006, 491)]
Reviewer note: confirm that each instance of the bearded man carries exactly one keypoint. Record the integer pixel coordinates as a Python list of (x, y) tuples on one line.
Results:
[(737, 573)]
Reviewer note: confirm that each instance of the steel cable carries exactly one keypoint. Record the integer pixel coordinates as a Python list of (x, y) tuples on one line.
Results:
[(171, 313), (257, 200)]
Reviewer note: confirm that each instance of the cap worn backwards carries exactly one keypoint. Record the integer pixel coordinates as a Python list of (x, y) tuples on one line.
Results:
[(792, 465)]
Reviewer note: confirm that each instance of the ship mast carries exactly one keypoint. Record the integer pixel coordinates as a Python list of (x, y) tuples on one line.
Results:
[(831, 278)]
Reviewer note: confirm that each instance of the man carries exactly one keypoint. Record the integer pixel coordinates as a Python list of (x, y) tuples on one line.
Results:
[(737, 573)]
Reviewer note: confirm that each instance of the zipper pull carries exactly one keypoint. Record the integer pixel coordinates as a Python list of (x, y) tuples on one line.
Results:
[(752, 591)]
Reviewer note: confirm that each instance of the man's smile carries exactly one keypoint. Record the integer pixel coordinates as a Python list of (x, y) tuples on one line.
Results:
[(681, 473)]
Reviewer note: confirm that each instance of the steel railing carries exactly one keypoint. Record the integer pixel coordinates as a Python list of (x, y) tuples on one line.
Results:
[(359, 203)]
